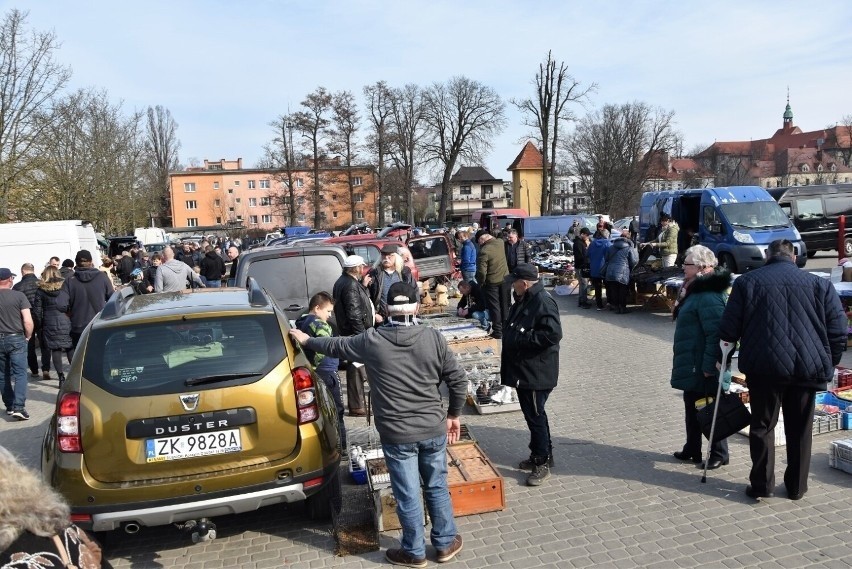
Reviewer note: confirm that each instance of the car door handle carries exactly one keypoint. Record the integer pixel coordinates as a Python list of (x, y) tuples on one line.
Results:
[(294, 307)]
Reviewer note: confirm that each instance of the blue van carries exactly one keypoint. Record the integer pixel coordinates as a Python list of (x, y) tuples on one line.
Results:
[(737, 223)]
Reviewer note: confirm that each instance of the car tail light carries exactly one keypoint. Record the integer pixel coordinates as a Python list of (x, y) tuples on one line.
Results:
[(68, 423), (306, 395), (81, 518)]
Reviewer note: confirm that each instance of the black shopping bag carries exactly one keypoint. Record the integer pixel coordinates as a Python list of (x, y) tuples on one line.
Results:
[(733, 417)]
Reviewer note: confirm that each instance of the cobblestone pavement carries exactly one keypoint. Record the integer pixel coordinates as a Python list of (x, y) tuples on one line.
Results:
[(617, 498)]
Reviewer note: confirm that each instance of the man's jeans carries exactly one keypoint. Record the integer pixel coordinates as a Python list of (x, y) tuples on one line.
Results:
[(407, 464), (468, 276), (482, 317), (13, 365)]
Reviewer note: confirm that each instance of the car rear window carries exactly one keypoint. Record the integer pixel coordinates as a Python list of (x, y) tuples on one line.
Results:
[(159, 358)]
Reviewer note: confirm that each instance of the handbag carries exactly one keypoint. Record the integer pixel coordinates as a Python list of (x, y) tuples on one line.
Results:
[(733, 416)]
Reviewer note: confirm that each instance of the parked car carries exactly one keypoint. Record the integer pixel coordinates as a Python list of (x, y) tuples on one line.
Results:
[(188, 405), (815, 212)]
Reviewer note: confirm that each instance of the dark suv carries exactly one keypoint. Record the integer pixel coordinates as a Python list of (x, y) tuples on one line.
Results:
[(187, 405)]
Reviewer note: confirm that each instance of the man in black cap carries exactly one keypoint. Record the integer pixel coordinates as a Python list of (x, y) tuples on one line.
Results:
[(406, 364), (83, 295), (16, 329), (530, 362), (391, 270)]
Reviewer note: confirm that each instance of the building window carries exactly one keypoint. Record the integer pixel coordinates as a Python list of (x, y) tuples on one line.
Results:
[(359, 198), (240, 218), (214, 166), (236, 182), (356, 180), (264, 184), (301, 217), (230, 190), (192, 222), (268, 219), (215, 185), (299, 182), (465, 190), (217, 202), (230, 210), (251, 184), (819, 167), (300, 201), (805, 168), (487, 189), (253, 219), (359, 214), (334, 214), (238, 200), (834, 167), (191, 204), (252, 202), (285, 200), (189, 186), (265, 201), (219, 220)]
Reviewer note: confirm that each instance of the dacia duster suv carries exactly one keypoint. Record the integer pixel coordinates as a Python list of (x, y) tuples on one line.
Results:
[(187, 405)]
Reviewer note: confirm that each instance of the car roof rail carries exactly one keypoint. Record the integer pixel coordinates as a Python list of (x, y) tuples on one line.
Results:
[(257, 296), (117, 303)]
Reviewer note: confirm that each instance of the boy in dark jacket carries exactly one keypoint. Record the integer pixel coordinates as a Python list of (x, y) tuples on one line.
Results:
[(315, 324)]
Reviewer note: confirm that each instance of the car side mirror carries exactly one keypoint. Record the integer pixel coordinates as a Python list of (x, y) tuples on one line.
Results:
[(715, 228)]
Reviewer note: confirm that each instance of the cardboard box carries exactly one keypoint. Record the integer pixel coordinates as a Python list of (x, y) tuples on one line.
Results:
[(475, 485)]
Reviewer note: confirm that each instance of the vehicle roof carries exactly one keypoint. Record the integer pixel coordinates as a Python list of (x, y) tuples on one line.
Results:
[(136, 308), (820, 189), (296, 248)]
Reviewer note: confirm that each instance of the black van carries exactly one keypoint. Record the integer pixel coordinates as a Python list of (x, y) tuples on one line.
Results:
[(815, 212)]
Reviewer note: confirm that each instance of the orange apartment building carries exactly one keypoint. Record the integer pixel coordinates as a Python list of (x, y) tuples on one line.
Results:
[(223, 193)]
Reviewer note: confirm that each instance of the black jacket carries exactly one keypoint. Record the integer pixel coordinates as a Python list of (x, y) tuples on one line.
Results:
[(517, 253), (353, 310), (377, 285), (581, 254), (531, 335), (27, 285), (212, 266), (83, 295), (790, 324), (55, 325), (124, 268), (474, 301)]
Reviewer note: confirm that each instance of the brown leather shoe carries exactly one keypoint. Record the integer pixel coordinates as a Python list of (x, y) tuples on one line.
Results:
[(447, 554), (402, 557), (357, 412)]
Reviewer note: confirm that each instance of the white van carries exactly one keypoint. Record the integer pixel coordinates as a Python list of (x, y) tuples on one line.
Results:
[(38, 241), (146, 235)]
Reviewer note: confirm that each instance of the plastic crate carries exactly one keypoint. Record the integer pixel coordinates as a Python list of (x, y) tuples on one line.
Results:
[(840, 455), (846, 421), (844, 377), (825, 423)]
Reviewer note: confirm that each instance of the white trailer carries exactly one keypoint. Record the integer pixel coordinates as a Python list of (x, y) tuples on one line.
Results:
[(38, 241)]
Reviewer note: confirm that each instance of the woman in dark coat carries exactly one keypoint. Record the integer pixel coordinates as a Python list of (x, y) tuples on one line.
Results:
[(55, 325), (697, 313)]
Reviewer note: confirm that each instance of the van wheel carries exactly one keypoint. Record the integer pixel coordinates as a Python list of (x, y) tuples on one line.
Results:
[(847, 248), (726, 261), (811, 254), (330, 499)]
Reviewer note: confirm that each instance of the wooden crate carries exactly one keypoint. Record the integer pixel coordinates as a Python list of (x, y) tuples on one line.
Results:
[(384, 503), (475, 485)]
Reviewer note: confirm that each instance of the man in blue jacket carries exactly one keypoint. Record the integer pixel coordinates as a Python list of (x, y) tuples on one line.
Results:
[(792, 331)]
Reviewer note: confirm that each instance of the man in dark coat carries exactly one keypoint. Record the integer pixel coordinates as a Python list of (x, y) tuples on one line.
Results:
[(391, 270), (792, 332), (517, 250), (83, 295), (581, 265), (212, 267), (530, 362), (29, 285), (353, 312)]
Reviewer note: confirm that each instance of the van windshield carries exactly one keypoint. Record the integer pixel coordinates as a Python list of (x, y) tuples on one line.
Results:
[(755, 215)]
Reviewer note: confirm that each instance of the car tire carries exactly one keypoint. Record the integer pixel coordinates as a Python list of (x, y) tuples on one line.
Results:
[(726, 261), (327, 501), (811, 254)]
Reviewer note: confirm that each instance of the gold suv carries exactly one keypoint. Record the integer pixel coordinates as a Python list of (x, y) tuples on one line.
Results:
[(188, 405)]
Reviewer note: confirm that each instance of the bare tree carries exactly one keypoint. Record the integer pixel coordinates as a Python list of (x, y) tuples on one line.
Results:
[(160, 157), (462, 116), (406, 123), (280, 156), (555, 89), (612, 151), (29, 78), (379, 105), (345, 123), (313, 123)]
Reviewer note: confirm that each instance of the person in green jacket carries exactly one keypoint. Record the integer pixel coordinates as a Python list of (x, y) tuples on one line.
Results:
[(491, 272), (666, 243), (697, 314)]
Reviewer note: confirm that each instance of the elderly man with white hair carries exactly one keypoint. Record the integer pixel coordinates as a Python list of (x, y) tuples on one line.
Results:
[(406, 363)]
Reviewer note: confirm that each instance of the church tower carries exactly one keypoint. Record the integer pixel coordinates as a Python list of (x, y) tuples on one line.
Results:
[(788, 115)]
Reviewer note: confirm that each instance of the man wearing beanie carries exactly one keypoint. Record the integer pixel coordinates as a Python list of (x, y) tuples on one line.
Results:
[(406, 364), (83, 295)]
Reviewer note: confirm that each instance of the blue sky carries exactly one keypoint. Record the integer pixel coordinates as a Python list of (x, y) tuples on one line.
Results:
[(226, 69)]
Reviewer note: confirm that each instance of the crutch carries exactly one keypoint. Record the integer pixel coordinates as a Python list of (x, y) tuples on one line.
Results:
[(726, 349)]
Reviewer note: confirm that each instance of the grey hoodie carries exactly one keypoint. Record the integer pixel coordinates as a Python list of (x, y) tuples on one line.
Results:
[(405, 365), (175, 276)]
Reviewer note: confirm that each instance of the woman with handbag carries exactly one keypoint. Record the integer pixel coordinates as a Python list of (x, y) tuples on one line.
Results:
[(697, 313)]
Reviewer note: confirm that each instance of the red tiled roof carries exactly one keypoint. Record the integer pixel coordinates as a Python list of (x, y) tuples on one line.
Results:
[(530, 158)]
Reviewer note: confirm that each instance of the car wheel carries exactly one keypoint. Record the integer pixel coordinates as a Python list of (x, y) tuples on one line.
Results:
[(847, 248), (321, 505), (726, 261), (811, 254)]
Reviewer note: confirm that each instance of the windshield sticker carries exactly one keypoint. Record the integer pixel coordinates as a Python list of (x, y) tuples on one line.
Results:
[(126, 374)]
